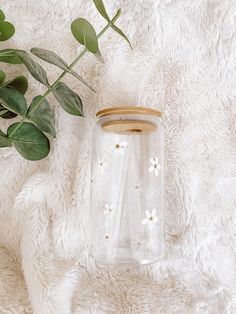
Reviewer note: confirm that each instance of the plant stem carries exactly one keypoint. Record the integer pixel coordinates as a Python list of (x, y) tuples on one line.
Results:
[(65, 72)]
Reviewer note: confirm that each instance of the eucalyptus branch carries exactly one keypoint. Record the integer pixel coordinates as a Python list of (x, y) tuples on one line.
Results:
[(64, 73), (28, 135)]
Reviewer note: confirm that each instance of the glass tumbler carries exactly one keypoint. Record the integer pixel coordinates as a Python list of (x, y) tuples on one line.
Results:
[(127, 191)]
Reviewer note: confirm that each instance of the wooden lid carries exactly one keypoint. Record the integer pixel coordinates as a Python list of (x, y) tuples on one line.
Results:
[(128, 110), (129, 126)]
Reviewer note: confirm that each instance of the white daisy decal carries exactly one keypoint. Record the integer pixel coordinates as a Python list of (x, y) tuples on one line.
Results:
[(120, 147), (151, 218), (155, 166), (108, 209), (102, 165)]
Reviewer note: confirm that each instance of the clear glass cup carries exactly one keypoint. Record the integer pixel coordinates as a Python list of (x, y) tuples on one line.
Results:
[(127, 190)]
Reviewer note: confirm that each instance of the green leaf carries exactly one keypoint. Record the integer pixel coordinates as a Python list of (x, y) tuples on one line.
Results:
[(68, 99), (30, 142), (6, 30), (42, 115), (19, 83), (2, 16), (117, 15), (2, 111), (85, 34), (72, 72), (4, 140), (9, 56), (101, 9), (119, 31), (99, 56), (2, 76), (53, 58), (36, 70), (6, 114), (13, 100), (50, 57)]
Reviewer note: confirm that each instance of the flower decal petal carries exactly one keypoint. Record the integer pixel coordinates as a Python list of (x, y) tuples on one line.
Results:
[(145, 221), (151, 218), (153, 212), (155, 166), (155, 219), (109, 208)]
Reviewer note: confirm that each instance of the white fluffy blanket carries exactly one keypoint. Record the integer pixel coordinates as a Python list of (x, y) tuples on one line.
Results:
[(183, 62)]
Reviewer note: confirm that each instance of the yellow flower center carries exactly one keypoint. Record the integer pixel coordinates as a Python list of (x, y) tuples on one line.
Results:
[(117, 146)]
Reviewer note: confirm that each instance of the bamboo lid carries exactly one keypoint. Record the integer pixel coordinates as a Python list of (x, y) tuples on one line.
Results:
[(128, 110), (129, 126)]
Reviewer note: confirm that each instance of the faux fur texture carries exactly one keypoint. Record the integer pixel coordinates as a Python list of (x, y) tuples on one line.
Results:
[(183, 62)]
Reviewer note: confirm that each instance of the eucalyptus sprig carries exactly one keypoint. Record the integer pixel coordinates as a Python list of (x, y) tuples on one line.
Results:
[(19, 83), (28, 136)]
